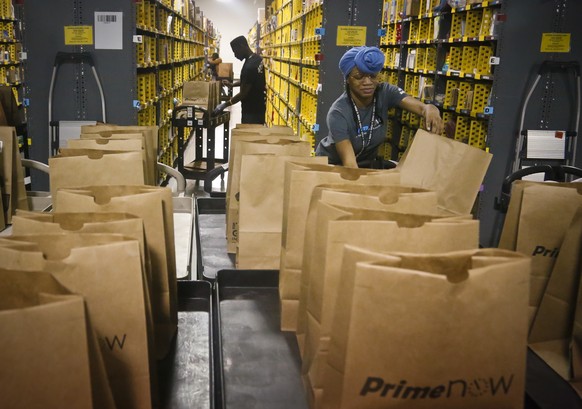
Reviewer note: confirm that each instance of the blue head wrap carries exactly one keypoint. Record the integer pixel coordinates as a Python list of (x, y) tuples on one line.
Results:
[(369, 60)]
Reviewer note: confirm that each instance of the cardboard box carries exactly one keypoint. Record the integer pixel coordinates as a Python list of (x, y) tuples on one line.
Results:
[(261, 15), (224, 70)]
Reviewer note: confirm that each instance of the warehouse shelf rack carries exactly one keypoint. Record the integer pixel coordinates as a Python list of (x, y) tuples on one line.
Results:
[(174, 46), (163, 45), (443, 58), (12, 63), (298, 39)]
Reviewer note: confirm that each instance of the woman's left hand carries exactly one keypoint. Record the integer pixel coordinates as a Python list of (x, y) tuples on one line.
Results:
[(432, 119)]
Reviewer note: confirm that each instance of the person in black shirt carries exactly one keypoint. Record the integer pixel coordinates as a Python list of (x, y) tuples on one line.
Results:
[(252, 84)]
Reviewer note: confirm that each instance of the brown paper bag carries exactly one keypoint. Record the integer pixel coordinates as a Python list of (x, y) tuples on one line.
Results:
[(262, 130), (380, 197), (374, 230), (154, 206), (397, 316), (26, 222), (273, 128), (546, 212), (205, 94), (261, 209), (3, 196), (50, 355), (106, 269), (2, 216), (350, 255), (576, 340), (453, 169), (299, 182), (118, 145), (372, 197), (130, 145), (149, 135), (508, 238), (272, 146), (552, 329), (93, 167), (255, 132), (12, 174)]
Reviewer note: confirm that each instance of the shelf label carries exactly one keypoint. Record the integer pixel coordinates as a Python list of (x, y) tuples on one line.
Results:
[(108, 30), (555, 43), (78, 35), (351, 35)]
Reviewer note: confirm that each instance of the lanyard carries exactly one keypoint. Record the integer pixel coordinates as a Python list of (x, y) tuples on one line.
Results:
[(361, 131)]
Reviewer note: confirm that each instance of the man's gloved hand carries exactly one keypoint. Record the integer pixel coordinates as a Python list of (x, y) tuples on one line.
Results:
[(220, 107)]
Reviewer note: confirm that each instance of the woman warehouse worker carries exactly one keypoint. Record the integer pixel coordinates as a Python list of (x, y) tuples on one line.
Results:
[(357, 119)]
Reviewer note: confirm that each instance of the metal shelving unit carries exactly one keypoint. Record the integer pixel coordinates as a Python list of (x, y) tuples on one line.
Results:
[(441, 56), (301, 52), (551, 106), (161, 46)]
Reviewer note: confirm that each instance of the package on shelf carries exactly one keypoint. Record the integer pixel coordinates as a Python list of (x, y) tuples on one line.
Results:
[(224, 70)]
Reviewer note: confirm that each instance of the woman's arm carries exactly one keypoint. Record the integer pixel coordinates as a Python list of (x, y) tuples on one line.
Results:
[(430, 113), (215, 61), (346, 153)]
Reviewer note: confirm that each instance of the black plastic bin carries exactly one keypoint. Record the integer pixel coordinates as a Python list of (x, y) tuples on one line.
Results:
[(256, 364), (185, 376)]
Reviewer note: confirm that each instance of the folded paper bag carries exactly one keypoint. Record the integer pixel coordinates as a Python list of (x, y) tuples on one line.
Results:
[(49, 351)]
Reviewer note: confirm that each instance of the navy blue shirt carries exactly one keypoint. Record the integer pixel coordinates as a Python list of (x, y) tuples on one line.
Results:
[(342, 125), (253, 105)]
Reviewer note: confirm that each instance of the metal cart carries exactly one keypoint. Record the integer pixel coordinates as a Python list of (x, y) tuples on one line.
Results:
[(204, 167), (54, 125), (554, 147)]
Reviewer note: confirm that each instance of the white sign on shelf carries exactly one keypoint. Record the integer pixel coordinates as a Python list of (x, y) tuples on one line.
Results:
[(546, 144), (108, 30)]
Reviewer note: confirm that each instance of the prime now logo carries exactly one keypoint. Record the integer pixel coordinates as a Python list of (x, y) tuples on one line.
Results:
[(452, 389), (544, 252)]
